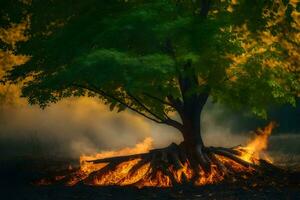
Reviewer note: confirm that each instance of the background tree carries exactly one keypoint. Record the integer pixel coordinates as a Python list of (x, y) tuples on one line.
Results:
[(12, 30), (158, 57)]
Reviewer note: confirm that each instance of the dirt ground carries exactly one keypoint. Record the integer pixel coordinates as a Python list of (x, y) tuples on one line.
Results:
[(17, 175)]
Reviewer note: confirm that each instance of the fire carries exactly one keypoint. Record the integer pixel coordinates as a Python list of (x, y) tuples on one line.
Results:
[(111, 177), (87, 167), (148, 171), (255, 148), (142, 147)]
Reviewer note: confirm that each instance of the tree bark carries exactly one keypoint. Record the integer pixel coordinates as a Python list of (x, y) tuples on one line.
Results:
[(190, 113), (192, 139)]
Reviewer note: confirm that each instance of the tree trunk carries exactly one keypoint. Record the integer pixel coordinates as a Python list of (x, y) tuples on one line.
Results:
[(191, 132)]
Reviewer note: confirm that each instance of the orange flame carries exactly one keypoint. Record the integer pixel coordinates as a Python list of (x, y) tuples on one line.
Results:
[(143, 147), (87, 167), (126, 173), (255, 149)]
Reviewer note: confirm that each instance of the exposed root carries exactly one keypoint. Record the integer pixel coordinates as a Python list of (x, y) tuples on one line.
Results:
[(229, 150), (119, 158), (221, 167), (166, 167), (99, 174), (140, 164), (174, 165), (233, 157)]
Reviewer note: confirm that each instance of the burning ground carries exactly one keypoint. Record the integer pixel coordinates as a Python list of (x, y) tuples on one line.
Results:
[(140, 167), (17, 175), (20, 170)]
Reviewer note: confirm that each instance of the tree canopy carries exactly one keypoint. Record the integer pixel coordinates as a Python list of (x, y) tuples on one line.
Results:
[(133, 54)]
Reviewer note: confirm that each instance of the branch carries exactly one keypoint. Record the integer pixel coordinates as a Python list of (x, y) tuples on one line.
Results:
[(141, 104), (174, 124), (102, 93), (167, 121), (177, 103), (158, 99)]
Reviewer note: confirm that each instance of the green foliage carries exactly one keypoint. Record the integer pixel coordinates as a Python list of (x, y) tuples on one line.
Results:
[(127, 51)]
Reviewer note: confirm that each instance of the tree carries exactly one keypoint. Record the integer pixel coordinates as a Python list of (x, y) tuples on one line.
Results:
[(11, 32), (163, 56)]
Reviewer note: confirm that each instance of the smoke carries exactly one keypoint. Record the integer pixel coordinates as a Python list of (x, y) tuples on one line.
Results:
[(69, 128), (217, 130), (78, 126), (220, 131), (84, 125)]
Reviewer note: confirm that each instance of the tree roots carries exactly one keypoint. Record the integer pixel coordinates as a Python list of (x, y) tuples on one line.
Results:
[(174, 159)]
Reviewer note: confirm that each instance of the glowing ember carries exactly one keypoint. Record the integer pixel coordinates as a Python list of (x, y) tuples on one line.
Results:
[(151, 171)]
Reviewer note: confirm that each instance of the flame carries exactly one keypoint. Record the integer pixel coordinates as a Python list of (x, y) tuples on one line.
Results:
[(86, 168), (255, 148), (147, 174), (142, 147)]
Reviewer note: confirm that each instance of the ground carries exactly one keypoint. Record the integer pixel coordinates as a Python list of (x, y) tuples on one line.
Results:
[(17, 175)]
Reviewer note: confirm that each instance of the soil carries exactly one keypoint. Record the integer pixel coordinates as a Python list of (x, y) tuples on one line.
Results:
[(18, 174)]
